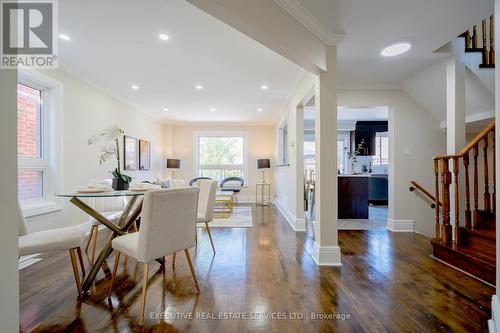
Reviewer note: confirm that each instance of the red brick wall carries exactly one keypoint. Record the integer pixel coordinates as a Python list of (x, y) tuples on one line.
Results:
[(28, 140)]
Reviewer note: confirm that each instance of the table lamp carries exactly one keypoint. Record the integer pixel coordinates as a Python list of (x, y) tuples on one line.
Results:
[(264, 163), (173, 164)]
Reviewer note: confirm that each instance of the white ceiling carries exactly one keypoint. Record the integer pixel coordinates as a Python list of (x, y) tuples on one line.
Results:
[(115, 44), (369, 26)]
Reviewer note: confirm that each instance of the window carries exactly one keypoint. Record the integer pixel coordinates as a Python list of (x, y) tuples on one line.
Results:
[(283, 145), (343, 147), (222, 155), (36, 147), (381, 149)]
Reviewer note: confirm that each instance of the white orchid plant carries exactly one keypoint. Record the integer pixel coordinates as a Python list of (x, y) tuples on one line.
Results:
[(109, 138)]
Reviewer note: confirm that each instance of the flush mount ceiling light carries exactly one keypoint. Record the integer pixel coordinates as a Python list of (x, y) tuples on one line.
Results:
[(199, 87), (165, 109), (264, 87), (212, 109), (64, 37), (396, 49), (163, 36), (259, 110), (134, 87)]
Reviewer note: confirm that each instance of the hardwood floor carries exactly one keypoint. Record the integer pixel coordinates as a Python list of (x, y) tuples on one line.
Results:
[(388, 283)]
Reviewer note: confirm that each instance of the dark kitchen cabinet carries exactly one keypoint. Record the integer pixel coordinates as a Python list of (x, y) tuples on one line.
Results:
[(366, 131)]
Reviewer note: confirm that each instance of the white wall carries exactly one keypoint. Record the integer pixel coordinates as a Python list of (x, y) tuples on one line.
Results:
[(9, 277), (260, 141), (287, 185), (414, 129), (86, 111)]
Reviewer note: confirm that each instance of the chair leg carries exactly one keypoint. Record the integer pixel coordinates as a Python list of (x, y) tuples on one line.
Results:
[(74, 263), (80, 258), (94, 229), (94, 243), (144, 291), (193, 274), (173, 260), (113, 275), (210, 236)]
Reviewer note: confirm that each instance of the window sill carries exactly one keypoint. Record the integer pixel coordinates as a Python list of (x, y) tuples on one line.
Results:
[(39, 207)]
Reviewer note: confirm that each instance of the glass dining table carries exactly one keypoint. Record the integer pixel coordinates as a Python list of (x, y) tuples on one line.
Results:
[(129, 215)]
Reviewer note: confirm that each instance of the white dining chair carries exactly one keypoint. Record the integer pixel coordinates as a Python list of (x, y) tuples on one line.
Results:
[(111, 208), (206, 204), (168, 225), (69, 238)]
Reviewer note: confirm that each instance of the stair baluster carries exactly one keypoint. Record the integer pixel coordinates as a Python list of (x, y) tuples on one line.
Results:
[(446, 235), (436, 186), (492, 40), (467, 192), (474, 37), (456, 169), (486, 56), (476, 190), (487, 206)]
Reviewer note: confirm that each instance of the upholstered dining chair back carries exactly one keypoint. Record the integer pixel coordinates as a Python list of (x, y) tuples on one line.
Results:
[(168, 222), (206, 199), (22, 225), (109, 204)]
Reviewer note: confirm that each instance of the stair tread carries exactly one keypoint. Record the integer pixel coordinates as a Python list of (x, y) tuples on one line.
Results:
[(486, 258), (474, 49), (484, 233)]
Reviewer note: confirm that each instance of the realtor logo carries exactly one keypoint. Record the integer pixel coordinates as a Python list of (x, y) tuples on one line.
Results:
[(29, 31)]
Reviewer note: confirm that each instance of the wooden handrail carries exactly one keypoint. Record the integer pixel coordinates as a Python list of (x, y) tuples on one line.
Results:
[(415, 185), (471, 144)]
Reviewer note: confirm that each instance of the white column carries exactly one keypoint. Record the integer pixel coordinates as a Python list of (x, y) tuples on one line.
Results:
[(326, 250), (299, 159), (9, 278), (455, 105), (455, 118), (494, 324)]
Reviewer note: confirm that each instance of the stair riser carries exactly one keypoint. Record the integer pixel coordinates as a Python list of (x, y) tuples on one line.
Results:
[(483, 271)]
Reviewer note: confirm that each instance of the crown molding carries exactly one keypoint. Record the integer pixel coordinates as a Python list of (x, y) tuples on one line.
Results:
[(297, 11)]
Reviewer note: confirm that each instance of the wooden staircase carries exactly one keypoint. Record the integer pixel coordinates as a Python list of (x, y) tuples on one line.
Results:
[(487, 47), (470, 244)]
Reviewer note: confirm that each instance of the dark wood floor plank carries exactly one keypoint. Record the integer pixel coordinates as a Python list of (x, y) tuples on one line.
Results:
[(388, 283)]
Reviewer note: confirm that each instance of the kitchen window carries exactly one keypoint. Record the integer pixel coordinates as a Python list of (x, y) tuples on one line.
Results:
[(381, 149), (37, 108), (221, 155)]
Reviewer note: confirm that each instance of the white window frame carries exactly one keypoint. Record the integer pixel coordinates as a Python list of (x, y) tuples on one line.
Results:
[(50, 162), (221, 134), (379, 143), (283, 144), (346, 139)]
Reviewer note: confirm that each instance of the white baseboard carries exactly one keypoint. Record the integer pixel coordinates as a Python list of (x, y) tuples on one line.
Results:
[(400, 225), (325, 255), (494, 322), (297, 224)]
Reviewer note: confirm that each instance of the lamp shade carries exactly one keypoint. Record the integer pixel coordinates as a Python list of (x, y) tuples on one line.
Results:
[(264, 163), (173, 163)]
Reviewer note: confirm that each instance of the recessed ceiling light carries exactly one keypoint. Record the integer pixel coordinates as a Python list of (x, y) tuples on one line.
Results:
[(396, 49), (165, 109), (259, 110), (264, 87), (163, 37), (64, 37), (134, 87), (212, 109), (199, 87)]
